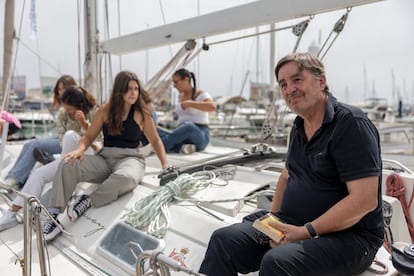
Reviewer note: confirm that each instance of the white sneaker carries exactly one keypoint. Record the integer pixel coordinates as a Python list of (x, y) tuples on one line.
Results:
[(188, 149), (8, 220), (9, 185)]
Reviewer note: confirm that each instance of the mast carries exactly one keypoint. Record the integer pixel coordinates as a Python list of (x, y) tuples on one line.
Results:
[(272, 58), (8, 50), (92, 72)]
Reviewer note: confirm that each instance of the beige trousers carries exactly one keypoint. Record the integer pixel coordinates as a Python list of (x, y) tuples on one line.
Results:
[(116, 170)]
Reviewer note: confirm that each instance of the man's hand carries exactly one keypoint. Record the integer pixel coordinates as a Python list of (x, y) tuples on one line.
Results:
[(292, 233)]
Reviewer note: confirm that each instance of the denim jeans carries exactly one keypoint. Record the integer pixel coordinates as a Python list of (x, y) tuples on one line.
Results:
[(186, 133), (26, 161)]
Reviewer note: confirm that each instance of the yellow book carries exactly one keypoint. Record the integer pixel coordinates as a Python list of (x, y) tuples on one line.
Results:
[(262, 224)]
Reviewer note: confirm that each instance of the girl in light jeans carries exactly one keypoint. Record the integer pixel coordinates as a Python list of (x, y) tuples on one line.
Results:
[(38, 179)]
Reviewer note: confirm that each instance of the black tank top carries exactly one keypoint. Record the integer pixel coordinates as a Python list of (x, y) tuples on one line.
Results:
[(129, 137)]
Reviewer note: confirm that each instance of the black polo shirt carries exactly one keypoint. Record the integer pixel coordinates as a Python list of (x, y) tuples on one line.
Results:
[(345, 148)]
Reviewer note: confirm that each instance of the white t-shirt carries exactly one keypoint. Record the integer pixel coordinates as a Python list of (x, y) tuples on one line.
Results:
[(191, 114)]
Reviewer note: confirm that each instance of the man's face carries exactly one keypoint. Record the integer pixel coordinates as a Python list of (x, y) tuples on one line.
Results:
[(301, 90)]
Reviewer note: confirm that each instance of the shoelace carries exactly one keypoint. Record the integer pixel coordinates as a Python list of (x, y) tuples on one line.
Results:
[(82, 206), (48, 227)]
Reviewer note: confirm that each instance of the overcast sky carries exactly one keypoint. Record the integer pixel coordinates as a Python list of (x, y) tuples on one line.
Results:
[(376, 43)]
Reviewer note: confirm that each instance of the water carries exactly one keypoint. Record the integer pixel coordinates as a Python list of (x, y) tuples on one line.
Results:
[(35, 131)]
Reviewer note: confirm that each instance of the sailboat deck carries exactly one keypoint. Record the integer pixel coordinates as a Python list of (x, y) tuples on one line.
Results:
[(189, 230), (188, 233)]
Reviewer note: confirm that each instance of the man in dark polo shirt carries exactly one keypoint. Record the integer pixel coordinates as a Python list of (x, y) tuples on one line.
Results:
[(328, 195)]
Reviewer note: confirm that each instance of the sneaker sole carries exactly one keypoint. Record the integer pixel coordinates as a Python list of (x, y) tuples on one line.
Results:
[(50, 237)]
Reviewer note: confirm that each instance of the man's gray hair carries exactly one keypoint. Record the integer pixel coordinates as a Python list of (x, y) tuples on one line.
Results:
[(305, 61)]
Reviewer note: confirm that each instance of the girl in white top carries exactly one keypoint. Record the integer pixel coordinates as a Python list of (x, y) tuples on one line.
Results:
[(192, 109)]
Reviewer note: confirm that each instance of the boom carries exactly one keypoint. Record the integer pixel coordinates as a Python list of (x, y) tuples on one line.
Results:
[(232, 19)]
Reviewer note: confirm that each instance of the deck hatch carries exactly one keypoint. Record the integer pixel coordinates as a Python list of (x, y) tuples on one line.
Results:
[(114, 245)]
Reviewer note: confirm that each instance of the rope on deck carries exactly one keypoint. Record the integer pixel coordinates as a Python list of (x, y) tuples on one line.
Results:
[(152, 212)]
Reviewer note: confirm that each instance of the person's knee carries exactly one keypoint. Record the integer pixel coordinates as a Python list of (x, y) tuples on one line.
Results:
[(128, 184), (273, 265), (188, 125), (222, 237), (70, 136), (30, 145)]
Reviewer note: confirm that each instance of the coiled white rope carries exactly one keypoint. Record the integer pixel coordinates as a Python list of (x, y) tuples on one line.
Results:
[(152, 211)]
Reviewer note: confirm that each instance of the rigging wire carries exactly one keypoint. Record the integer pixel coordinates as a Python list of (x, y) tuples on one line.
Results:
[(38, 56), (79, 47), (268, 127), (299, 30), (164, 21), (338, 27), (160, 88), (109, 55), (250, 35)]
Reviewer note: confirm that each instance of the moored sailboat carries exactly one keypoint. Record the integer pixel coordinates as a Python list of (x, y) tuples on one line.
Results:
[(101, 242)]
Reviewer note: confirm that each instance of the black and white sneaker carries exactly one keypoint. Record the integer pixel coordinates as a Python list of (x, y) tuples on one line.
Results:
[(50, 229), (79, 206)]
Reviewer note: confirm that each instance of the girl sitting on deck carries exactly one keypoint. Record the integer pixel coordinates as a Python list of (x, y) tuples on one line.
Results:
[(79, 107), (119, 167), (192, 134), (24, 164)]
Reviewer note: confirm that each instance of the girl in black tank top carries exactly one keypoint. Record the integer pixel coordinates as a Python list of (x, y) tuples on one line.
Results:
[(119, 167), (129, 137)]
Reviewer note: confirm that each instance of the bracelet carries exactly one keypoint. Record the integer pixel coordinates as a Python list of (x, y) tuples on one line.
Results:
[(311, 230)]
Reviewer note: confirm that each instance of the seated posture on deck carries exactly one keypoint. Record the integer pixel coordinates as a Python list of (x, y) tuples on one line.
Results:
[(328, 195), (192, 133), (120, 165), (24, 164), (79, 106)]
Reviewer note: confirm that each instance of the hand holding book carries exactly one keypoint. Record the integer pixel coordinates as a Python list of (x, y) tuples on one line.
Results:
[(262, 224)]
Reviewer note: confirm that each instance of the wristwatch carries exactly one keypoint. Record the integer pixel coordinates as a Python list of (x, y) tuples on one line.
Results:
[(311, 230)]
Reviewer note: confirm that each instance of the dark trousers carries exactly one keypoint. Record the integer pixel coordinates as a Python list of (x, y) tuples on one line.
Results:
[(239, 249)]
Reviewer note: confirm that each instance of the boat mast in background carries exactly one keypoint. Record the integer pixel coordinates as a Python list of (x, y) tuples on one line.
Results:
[(8, 50), (92, 65)]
